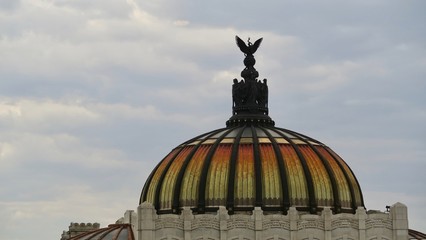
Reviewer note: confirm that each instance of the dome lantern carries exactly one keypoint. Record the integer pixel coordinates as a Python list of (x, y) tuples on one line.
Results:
[(250, 95)]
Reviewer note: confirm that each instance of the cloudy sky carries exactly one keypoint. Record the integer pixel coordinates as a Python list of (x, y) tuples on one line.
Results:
[(94, 93)]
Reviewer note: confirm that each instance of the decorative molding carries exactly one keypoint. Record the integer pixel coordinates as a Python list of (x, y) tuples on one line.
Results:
[(208, 222), (295, 225), (344, 223), (241, 222), (317, 224), (276, 223), (378, 223), (168, 223)]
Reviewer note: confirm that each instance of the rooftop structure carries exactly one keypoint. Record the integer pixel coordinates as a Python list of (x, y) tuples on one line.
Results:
[(253, 180), (251, 163)]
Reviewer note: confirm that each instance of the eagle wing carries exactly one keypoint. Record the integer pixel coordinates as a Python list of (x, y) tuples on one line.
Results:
[(242, 45), (255, 45)]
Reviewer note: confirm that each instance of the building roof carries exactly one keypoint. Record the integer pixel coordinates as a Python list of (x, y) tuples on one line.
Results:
[(413, 234), (112, 232), (251, 163)]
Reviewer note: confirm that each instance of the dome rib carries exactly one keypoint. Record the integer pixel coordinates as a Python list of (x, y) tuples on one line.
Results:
[(158, 193), (344, 168), (147, 184), (257, 168), (348, 179), (178, 182), (331, 176), (162, 177), (306, 171), (156, 184), (203, 178), (341, 180), (112, 232), (283, 171), (230, 202)]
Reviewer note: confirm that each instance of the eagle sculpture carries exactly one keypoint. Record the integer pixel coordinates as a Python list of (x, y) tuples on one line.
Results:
[(249, 49)]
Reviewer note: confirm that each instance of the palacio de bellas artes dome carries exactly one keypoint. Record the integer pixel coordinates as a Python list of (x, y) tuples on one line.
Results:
[(252, 180)]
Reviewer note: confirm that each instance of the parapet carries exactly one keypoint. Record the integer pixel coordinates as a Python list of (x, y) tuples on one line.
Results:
[(78, 228)]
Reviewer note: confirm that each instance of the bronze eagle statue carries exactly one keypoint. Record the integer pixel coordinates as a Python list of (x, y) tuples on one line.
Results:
[(249, 49)]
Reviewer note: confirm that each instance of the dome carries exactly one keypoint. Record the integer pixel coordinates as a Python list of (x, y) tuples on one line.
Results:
[(112, 232), (251, 163)]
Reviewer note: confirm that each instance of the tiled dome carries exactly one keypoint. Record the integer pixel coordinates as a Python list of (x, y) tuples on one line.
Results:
[(251, 163)]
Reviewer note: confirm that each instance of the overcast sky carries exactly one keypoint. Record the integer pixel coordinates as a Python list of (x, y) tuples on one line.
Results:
[(94, 93)]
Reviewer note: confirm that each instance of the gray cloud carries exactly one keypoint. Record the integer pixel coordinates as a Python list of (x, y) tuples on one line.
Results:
[(95, 93)]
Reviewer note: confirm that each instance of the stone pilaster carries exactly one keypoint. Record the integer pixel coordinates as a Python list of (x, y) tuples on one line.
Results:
[(130, 217), (326, 216), (399, 217), (187, 222), (292, 212), (361, 215), (146, 221), (223, 223), (258, 222)]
